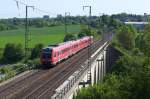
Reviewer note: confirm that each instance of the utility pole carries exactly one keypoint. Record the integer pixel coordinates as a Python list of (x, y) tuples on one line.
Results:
[(26, 34), (100, 24), (89, 78), (90, 13), (66, 14)]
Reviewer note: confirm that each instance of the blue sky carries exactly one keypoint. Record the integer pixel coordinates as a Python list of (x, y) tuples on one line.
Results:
[(8, 8)]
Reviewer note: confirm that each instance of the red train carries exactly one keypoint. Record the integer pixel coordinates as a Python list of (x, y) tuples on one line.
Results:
[(53, 54)]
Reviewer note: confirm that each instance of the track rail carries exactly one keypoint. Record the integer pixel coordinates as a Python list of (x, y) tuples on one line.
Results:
[(7, 91)]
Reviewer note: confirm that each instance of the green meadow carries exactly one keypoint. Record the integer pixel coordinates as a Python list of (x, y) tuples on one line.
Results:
[(46, 35)]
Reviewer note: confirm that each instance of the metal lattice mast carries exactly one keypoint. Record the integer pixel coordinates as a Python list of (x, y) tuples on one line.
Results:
[(66, 21), (26, 34), (89, 78)]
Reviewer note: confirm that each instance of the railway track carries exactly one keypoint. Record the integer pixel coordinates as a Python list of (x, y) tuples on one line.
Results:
[(8, 90), (53, 82), (41, 84), (47, 81), (49, 91)]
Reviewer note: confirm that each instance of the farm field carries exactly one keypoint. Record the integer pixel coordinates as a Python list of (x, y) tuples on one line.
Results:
[(46, 35)]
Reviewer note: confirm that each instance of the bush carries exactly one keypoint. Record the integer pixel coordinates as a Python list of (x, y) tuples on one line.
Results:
[(33, 64), (8, 71), (126, 37), (81, 34), (1, 54), (69, 37), (5, 70), (19, 68), (111, 88), (36, 51), (129, 79), (146, 41), (13, 53), (86, 31), (3, 27)]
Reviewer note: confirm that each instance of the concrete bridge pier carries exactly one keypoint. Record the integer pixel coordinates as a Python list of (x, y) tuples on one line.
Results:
[(98, 68)]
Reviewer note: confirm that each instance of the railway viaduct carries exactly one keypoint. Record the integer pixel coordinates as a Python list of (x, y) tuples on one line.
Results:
[(91, 72)]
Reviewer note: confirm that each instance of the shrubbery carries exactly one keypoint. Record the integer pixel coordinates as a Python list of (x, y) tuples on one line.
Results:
[(35, 53), (81, 34), (126, 37), (19, 68), (130, 76), (34, 64), (8, 71), (129, 79), (145, 41), (69, 37), (3, 27), (12, 70), (13, 53)]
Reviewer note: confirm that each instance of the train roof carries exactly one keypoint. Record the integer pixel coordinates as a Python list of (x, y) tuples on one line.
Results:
[(65, 43), (59, 44)]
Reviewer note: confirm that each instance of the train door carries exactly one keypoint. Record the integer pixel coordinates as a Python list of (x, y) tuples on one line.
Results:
[(70, 50), (46, 55), (59, 56)]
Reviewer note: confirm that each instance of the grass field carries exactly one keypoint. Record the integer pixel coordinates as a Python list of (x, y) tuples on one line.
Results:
[(46, 35)]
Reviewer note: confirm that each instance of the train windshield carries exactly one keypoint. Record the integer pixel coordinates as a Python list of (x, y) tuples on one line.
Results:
[(47, 53)]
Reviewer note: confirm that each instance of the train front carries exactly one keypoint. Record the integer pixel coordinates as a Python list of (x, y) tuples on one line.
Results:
[(46, 56)]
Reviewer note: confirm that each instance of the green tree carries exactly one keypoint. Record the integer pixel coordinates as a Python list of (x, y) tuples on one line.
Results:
[(36, 51), (2, 27), (13, 53), (69, 37), (126, 37), (85, 30), (81, 34), (139, 41), (129, 79), (146, 43)]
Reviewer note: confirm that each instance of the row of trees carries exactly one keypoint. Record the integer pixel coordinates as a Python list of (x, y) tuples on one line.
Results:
[(84, 32), (7, 27), (14, 53), (103, 24), (130, 17), (96, 21)]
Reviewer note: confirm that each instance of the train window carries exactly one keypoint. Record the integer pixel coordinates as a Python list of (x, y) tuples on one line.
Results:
[(64, 50), (47, 53), (47, 50), (60, 52), (75, 46)]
